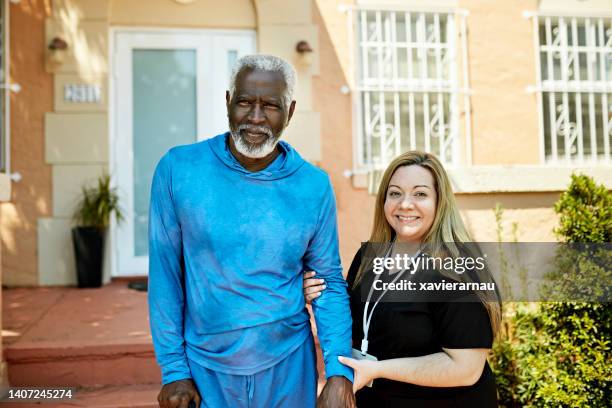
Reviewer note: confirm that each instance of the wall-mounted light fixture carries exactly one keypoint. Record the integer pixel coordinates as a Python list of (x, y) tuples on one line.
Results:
[(304, 51), (56, 52)]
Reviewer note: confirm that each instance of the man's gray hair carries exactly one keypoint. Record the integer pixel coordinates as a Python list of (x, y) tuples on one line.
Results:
[(268, 63)]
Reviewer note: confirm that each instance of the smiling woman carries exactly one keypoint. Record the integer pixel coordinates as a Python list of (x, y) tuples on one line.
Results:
[(410, 206), (419, 351)]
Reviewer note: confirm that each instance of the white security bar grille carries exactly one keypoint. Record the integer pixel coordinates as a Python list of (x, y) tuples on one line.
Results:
[(575, 88), (408, 84)]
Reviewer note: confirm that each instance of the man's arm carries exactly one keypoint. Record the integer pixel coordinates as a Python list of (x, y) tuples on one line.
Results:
[(331, 310), (166, 293)]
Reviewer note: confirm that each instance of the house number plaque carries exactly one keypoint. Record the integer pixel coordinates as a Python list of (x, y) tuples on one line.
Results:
[(82, 93)]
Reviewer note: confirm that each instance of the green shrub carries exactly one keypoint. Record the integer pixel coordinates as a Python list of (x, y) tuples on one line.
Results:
[(558, 354), (585, 212)]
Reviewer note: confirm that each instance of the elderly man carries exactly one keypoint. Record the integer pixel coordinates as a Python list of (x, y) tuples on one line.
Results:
[(234, 222)]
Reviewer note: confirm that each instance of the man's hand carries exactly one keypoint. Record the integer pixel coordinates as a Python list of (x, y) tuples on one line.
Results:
[(178, 394), (337, 393)]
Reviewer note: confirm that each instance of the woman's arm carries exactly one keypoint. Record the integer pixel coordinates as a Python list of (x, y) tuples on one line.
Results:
[(313, 287), (451, 368)]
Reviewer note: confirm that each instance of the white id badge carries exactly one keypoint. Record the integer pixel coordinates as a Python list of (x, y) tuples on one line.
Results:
[(356, 354)]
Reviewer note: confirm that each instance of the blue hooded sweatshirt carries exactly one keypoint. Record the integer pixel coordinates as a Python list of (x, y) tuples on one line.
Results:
[(227, 249)]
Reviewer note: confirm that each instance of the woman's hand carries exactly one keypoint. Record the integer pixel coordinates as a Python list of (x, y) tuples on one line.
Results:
[(365, 371), (312, 286)]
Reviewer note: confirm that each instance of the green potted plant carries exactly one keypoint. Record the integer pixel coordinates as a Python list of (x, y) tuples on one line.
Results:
[(92, 217)]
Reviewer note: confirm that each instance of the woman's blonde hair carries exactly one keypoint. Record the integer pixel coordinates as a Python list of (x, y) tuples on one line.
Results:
[(446, 230)]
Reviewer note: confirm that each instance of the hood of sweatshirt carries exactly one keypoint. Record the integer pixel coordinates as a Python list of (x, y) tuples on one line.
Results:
[(285, 164)]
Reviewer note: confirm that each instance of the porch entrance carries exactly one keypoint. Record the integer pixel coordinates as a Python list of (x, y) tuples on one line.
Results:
[(167, 89)]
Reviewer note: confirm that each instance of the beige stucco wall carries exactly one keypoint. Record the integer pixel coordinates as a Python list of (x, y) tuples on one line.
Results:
[(355, 206), (76, 134), (63, 145), (31, 197), (166, 13), (532, 213), (501, 67), (280, 26), (5, 187)]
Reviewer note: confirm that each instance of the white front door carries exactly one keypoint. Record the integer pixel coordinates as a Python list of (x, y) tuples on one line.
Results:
[(168, 89)]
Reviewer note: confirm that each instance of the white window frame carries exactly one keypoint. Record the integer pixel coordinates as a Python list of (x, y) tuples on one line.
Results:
[(456, 88), (560, 115)]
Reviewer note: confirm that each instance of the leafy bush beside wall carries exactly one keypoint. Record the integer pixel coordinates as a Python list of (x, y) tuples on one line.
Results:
[(559, 354), (585, 212)]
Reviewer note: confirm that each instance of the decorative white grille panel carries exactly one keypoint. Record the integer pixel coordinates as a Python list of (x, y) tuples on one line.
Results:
[(575, 88), (408, 84)]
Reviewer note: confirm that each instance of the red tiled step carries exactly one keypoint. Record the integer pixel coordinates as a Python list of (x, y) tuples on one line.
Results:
[(78, 337), (81, 366)]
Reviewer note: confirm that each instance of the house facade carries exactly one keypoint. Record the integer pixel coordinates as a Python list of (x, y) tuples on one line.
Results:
[(512, 95)]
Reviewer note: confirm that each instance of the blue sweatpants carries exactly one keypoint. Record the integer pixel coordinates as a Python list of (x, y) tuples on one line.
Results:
[(292, 383)]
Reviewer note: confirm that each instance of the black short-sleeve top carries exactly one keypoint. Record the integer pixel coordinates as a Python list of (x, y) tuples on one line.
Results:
[(412, 329)]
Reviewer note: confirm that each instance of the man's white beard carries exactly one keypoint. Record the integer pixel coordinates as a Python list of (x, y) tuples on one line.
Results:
[(247, 149)]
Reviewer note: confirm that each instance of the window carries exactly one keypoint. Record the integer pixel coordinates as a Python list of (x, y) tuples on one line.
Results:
[(575, 88), (408, 84)]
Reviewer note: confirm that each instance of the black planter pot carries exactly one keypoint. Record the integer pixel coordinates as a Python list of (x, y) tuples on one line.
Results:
[(89, 253)]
